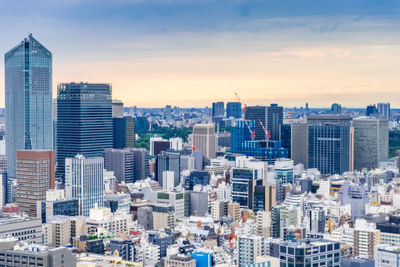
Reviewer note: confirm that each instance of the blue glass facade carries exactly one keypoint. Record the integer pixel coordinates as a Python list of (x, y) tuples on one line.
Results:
[(84, 121), (61, 207), (329, 148), (243, 181), (124, 132), (28, 88), (260, 149), (234, 109), (197, 177)]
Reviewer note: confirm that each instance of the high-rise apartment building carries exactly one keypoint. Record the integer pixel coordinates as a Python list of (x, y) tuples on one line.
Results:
[(84, 123), (371, 142), (365, 238), (124, 132), (35, 175), (234, 110), (84, 181), (205, 139), (28, 99), (250, 247)]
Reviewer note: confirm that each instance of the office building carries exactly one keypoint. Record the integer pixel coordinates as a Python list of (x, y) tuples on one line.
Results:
[(317, 220), (163, 216), (3, 163), (117, 108), (264, 198), (199, 203), (128, 164), (313, 252), (243, 181), (125, 248), (142, 125), (34, 255), (256, 113), (274, 121), (168, 180), (249, 248), (168, 113), (271, 118), (84, 121), (371, 110), (218, 112), (197, 177), (284, 170), (330, 143), (101, 220), (384, 110), (23, 228), (84, 181), (234, 110), (387, 256), (35, 173), (355, 195), (174, 199), (168, 161), (176, 143), (336, 108), (234, 211), (204, 139), (371, 142), (145, 217), (299, 144), (28, 99), (124, 132), (158, 145)]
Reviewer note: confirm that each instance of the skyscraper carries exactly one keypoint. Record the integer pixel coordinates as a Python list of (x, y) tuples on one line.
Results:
[(205, 139), (274, 121), (384, 110), (234, 109), (35, 175), (218, 109), (256, 113), (84, 181), (28, 89), (85, 124), (124, 132), (270, 116), (117, 108), (168, 161), (371, 142)]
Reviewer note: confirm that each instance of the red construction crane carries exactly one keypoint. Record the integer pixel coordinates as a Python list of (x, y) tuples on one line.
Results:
[(241, 103), (192, 144), (267, 133), (252, 132)]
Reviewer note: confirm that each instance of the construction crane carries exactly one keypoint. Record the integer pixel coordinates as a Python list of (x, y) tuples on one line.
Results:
[(267, 133), (192, 144), (241, 103)]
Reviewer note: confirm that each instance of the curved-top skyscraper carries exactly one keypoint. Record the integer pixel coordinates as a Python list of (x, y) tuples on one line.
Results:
[(28, 89)]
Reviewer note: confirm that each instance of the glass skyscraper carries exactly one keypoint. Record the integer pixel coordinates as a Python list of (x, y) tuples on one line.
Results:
[(28, 89), (84, 121)]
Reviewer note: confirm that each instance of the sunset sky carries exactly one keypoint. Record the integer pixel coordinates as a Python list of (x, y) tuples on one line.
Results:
[(190, 53)]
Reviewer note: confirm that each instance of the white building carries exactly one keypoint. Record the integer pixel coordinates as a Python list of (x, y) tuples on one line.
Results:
[(168, 178), (84, 181), (249, 248), (387, 256), (205, 140)]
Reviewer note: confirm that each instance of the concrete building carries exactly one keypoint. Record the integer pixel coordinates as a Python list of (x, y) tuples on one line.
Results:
[(384, 110), (299, 144), (175, 199), (101, 220), (234, 211), (117, 108), (387, 256), (60, 231), (371, 142), (199, 203), (163, 217), (205, 139), (249, 248), (123, 132), (365, 238), (23, 228), (180, 260), (84, 181), (35, 173), (22, 254)]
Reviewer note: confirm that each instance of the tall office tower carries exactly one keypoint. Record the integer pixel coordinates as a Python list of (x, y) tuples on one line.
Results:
[(218, 109), (84, 121), (284, 170), (250, 247), (234, 109), (274, 121), (299, 144), (168, 161), (84, 181), (168, 113), (264, 198), (243, 182), (142, 166), (371, 110), (117, 108), (317, 220), (3, 163), (330, 143), (28, 89), (124, 132), (35, 175), (384, 110), (256, 113), (198, 203), (336, 108), (3, 188), (205, 139), (54, 108), (128, 164), (371, 142)]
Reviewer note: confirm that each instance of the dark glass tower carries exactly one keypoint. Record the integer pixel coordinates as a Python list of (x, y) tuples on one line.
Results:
[(234, 109), (84, 121), (124, 132), (28, 89)]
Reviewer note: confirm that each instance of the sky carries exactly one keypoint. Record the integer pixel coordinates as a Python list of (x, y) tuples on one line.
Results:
[(191, 53)]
